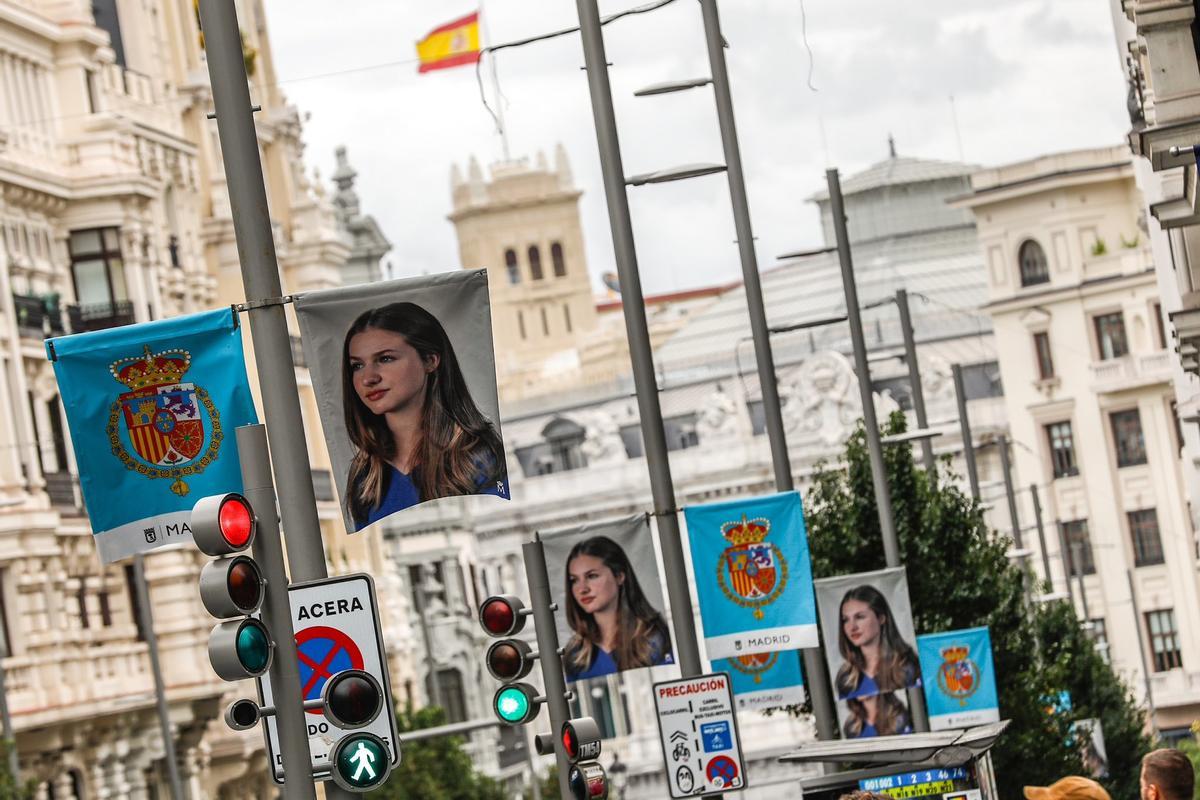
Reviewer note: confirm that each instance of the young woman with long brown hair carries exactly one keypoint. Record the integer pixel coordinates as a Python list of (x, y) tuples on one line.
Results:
[(876, 658), (418, 433), (613, 625)]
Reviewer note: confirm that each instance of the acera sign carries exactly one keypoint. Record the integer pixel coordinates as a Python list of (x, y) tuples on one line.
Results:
[(336, 622), (698, 726)]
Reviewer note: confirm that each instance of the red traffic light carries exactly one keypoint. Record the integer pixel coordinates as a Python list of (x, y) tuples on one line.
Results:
[(502, 615), (509, 659), (223, 523), (581, 739)]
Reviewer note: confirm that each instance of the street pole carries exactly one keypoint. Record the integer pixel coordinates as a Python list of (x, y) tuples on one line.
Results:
[(914, 379), (10, 737), (268, 325), (883, 497), (1009, 492), (1077, 564), (964, 424), (1066, 563), (435, 683), (634, 308), (160, 692), (284, 672), (1041, 532), (814, 660), (1137, 624), (549, 658)]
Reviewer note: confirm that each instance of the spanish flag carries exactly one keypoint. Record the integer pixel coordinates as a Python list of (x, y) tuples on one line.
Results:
[(450, 45)]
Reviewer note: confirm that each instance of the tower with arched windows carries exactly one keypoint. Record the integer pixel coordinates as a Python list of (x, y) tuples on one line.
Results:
[(522, 222)]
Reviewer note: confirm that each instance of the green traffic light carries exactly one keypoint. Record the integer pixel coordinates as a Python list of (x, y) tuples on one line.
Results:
[(361, 761), (512, 705), (253, 647)]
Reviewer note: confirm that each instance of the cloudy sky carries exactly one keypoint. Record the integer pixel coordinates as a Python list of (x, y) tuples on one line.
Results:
[(1027, 77)]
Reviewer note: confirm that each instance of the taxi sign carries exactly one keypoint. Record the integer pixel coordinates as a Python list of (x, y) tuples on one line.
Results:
[(336, 621), (698, 728)]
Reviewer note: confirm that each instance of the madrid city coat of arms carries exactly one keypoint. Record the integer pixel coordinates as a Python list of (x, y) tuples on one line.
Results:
[(751, 571), (958, 675), (173, 426)]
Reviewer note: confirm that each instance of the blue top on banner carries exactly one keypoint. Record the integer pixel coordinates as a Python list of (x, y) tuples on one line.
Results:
[(959, 678), (753, 575), (152, 409)]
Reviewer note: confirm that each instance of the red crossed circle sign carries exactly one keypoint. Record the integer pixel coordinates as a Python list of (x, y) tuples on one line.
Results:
[(721, 771), (323, 652)]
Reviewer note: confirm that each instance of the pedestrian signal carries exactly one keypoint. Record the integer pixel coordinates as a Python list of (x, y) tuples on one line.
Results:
[(360, 762)]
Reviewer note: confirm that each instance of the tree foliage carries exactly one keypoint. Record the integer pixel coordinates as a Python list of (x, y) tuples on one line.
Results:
[(434, 769), (10, 789), (959, 576)]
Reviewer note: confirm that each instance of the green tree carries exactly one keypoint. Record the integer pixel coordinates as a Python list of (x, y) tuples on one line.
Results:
[(959, 576), (9, 788), (434, 769)]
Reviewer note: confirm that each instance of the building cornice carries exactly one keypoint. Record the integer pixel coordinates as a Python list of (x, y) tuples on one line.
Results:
[(1074, 291)]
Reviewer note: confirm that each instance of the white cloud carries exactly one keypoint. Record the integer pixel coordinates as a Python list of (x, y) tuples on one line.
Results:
[(1025, 82)]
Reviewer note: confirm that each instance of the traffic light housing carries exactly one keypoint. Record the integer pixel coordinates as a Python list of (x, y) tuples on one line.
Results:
[(588, 781), (232, 588), (580, 739), (509, 659), (352, 699)]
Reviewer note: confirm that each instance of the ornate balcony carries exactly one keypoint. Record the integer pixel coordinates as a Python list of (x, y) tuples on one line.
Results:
[(38, 317), (98, 316), (1131, 372)]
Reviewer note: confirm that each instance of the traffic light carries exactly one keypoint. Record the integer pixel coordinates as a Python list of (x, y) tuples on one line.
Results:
[(581, 743), (352, 699), (508, 660), (232, 589)]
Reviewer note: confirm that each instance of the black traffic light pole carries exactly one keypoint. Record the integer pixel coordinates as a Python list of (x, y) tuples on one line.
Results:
[(542, 606)]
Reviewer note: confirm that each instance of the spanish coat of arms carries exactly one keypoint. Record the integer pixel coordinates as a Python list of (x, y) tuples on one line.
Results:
[(958, 675), (754, 664), (751, 571), (163, 417)]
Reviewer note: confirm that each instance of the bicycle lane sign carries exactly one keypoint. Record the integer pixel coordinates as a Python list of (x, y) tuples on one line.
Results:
[(697, 725), (336, 622)]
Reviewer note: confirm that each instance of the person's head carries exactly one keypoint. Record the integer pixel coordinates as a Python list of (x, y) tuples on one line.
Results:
[(865, 621), (863, 794), (599, 580), (885, 711), (1167, 774), (398, 358), (1072, 788)]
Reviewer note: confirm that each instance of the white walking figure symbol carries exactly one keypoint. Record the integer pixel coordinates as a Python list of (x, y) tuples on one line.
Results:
[(362, 756)]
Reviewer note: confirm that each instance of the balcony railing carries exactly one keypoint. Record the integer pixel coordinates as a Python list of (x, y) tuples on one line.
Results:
[(1128, 372), (38, 317), (60, 486), (98, 316), (323, 485)]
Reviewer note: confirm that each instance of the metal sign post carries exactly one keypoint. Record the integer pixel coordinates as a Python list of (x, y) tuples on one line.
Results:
[(542, 605)]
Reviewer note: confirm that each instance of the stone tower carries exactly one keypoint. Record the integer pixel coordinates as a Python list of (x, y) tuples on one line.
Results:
[(523, 225)]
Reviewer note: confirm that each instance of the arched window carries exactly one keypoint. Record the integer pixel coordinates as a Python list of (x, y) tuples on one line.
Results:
[(535, 262), (1034, 268), (556, 255), (514, 270)]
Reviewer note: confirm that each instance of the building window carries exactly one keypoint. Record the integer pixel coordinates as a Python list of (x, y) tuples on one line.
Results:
[(681, 432), (135, 601), (1045, 362), (512, 267), (81, 599), (97, 267), (105, 14), (561, 449), (1034, 268), (1147, 543), (1100, 638), (982, 380), (1127, 434), (1075, 533), (451, 697), (1110, 336), (1164, 639), (1062, 449), (535, 263), (556, 256)]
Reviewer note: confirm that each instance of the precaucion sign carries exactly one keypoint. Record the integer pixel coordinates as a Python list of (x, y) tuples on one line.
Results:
[(698, 726), (336, 622)]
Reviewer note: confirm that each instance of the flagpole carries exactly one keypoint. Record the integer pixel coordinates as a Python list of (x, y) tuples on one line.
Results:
[(487, 36)]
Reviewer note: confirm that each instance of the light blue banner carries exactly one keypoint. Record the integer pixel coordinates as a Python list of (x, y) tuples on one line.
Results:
[(753, 575), (959, 678), (152, 410), (764, 680)]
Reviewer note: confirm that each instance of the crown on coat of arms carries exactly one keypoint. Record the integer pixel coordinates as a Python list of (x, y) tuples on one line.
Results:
[(956, 653), (151, 369), (747, 531)]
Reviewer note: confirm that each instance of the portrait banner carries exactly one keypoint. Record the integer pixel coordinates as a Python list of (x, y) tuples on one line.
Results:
[(764, 680), (604, 578), (753, 575), (405, 379), (152, 410), (959, 678), (866, 621)]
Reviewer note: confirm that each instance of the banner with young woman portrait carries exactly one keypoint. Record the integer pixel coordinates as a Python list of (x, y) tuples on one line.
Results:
[(604, 579), (753, 575), (959, 677), (764, 680), (405, 379), (866, 621)]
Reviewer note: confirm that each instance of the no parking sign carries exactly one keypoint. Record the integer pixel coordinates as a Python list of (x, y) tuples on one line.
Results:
[(336, 621)]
